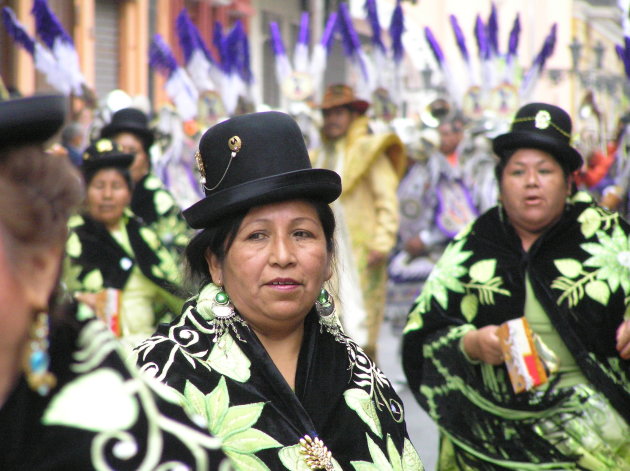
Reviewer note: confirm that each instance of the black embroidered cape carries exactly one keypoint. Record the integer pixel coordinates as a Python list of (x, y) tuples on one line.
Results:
[(580, 273), (157, 208), (232, 385), (103, 414), (95, 260)]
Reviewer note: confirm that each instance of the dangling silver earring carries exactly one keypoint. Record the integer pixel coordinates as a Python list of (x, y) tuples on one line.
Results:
[(225, 316), (37, 359), (325, 307)]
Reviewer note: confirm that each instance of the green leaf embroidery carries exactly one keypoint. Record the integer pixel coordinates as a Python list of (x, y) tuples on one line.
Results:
[(410, 459), (217, 405), (379, 460), (483, 270), (590, 221), (394, 456), (93, 281), (469, 306), (249, 441), (118, 408), (598, 291), (246, 462), (232, 425), (228, 359), (239, 418), (569, 267), (360, 401)]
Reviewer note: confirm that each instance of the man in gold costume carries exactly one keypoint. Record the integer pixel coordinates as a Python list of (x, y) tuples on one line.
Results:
[(370, 166)]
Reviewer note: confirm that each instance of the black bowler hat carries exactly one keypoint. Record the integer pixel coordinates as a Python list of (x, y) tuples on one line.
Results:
[(256, 159), (104, 153), (130, 120), (31, 120), (540, 126)]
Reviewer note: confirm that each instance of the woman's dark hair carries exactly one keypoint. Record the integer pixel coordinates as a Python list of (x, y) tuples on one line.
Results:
[(88, 175), (219, 238), (505, 158)]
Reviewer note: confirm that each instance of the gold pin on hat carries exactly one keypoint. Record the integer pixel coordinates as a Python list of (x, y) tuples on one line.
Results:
[(234, 143), (201, 167), (543, 119)]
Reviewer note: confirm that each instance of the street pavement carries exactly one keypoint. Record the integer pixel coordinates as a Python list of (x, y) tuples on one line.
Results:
[(422, 430)]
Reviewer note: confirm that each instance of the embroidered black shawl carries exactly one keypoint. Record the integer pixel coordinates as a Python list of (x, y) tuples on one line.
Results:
[(579, 271)]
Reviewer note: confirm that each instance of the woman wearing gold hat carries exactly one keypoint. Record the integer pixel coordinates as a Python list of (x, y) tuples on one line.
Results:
[(258, 353), (68, 399), (517, 346)]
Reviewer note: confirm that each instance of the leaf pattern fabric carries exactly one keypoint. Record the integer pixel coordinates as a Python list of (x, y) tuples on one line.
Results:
[(580, 273), (232, 387), (102, 415)]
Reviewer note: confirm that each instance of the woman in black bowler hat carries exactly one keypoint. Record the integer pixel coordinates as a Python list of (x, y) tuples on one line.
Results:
[(258, 354), (151, 201), (518, 345), (113, 258), (69, 400)]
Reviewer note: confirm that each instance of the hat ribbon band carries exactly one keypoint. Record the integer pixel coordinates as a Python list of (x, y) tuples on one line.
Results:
[(555, 126)]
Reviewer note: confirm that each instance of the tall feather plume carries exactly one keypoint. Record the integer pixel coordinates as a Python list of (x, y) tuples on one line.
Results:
[(492, 28), (538, 65), (320, 55), (301, 52), (512, 50), (354, 51), (44, 61), (55, 37), (396, 30), (179, 86), (199, 61)]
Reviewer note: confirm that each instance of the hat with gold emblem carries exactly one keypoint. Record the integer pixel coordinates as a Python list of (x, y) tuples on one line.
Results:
[(540, 126), (255, 159), (105, 153)]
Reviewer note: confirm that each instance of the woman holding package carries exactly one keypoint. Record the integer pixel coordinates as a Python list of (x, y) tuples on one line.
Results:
[(68, 400), (112, 252), (554, 258), (258, 353)]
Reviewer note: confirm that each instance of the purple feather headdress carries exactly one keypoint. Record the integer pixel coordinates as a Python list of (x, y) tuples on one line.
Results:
[(47, 24), (623, 52), (514, 36), (277, 44), (16, 30), (304, 34), (482, 39), (493, 31), (218, 40), (372, 14), (351, 43), (161, 57), (460, 39), (396, 29), (189, 37), (329, 31), (434, 45)]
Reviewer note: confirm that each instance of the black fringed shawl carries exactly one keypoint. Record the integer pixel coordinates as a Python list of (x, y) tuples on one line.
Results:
[(234, 387), (580, 273)]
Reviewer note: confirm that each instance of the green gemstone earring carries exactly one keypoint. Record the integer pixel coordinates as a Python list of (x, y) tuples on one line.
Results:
[(225, 316), (325, 307)]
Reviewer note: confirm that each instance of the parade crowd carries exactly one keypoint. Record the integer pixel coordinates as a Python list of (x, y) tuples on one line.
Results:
[(237, 328)]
